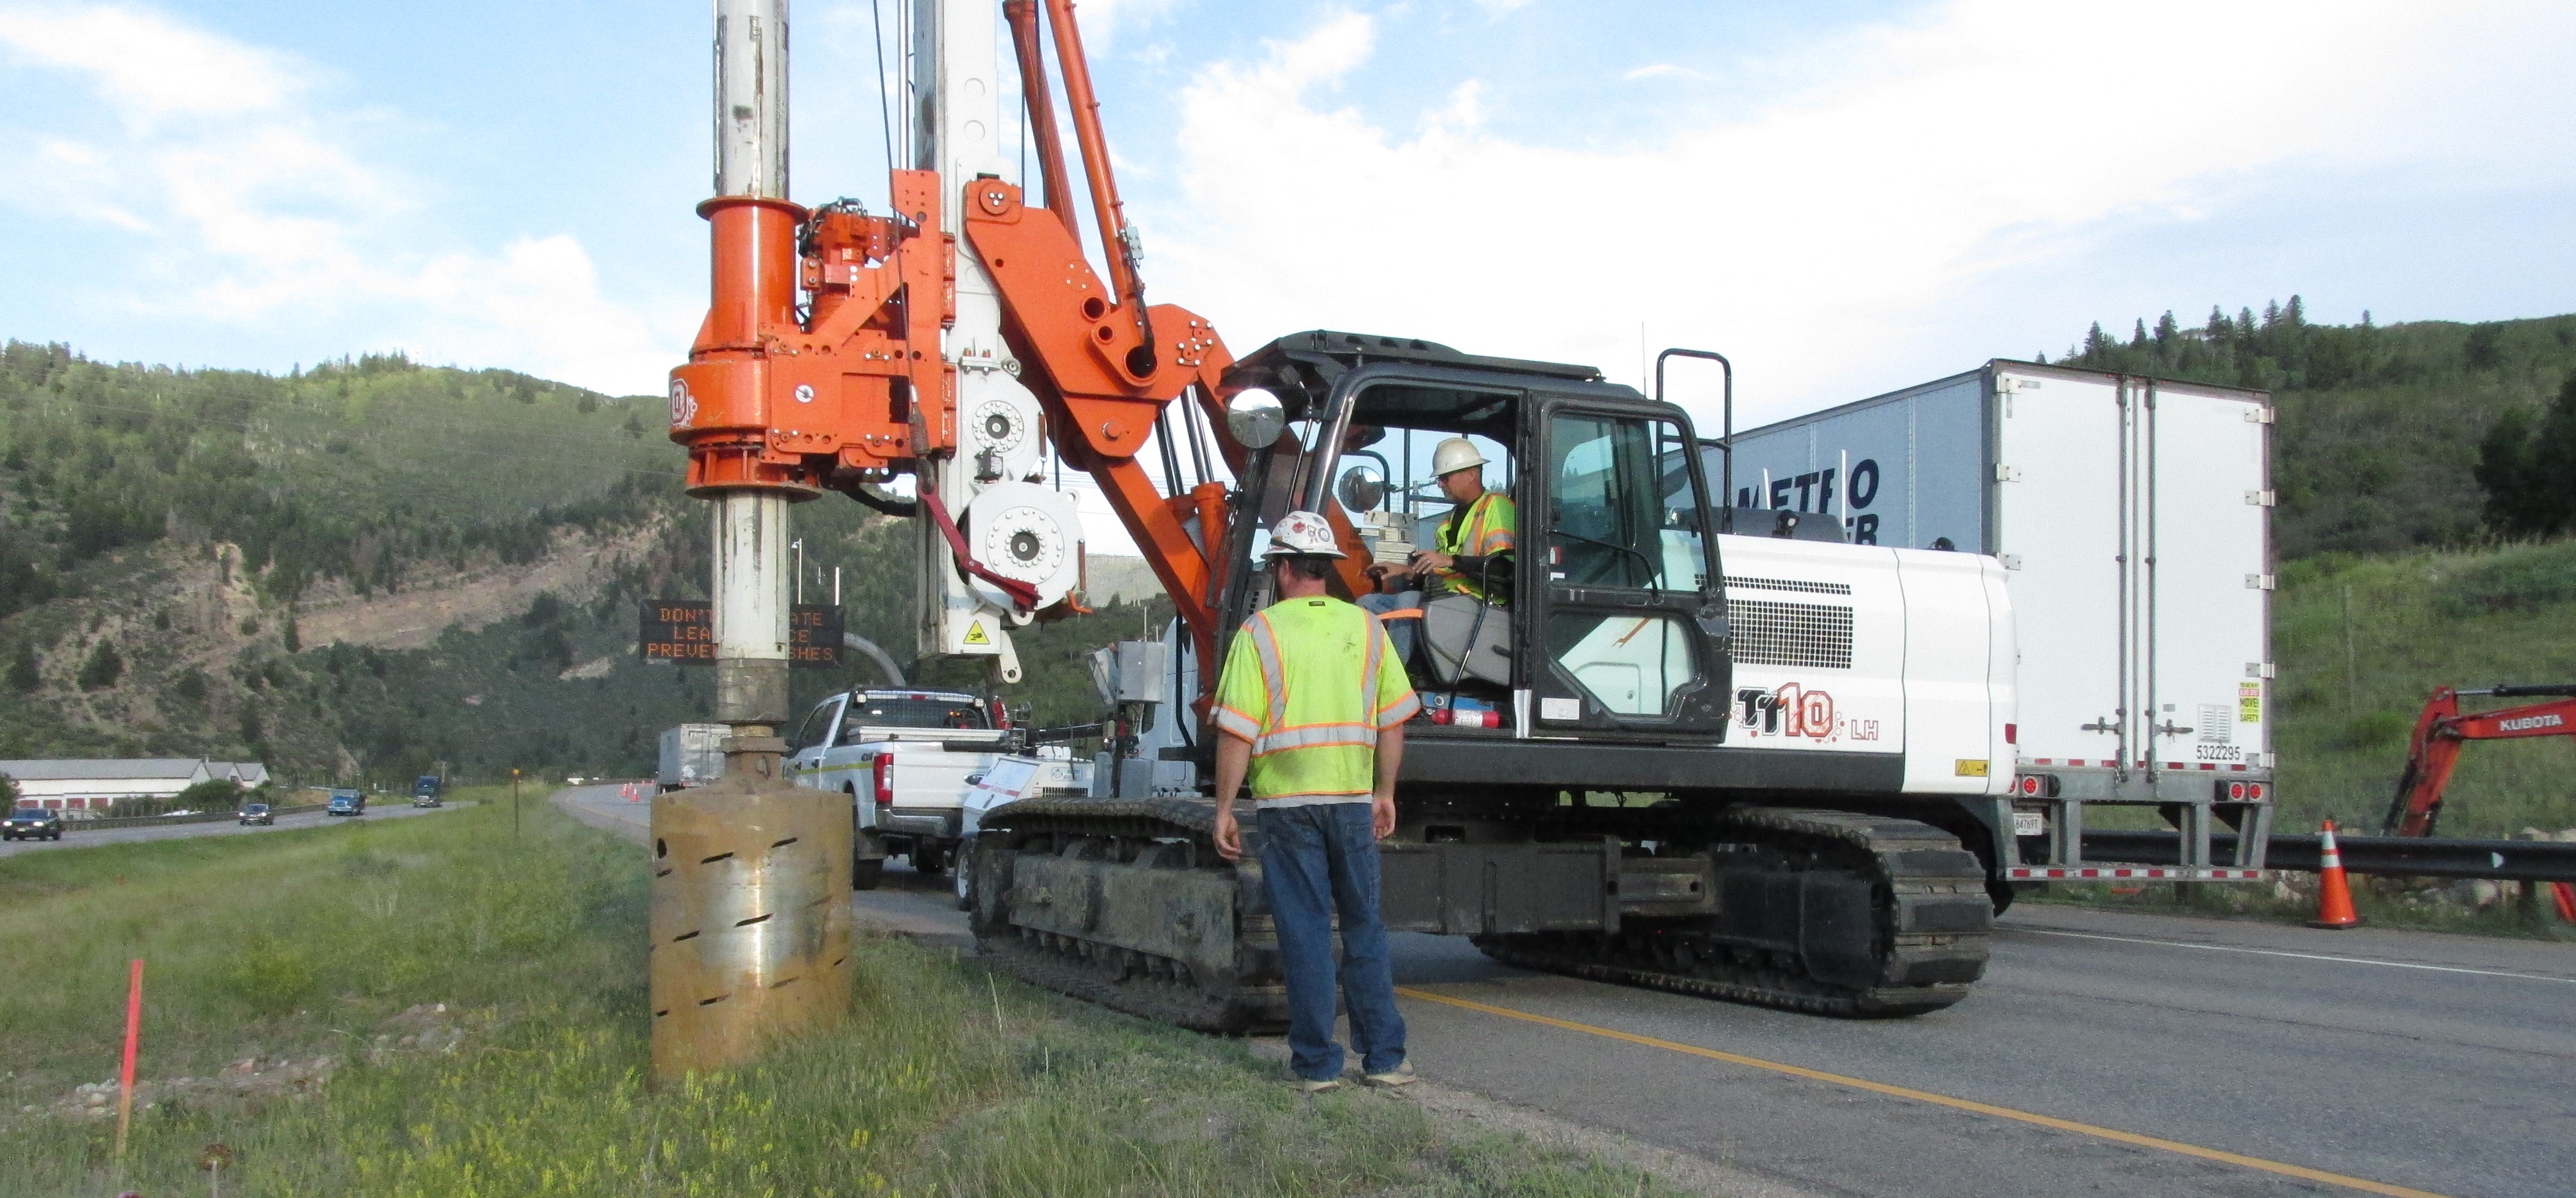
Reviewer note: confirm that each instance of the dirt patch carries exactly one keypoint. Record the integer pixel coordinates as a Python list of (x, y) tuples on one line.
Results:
[(413, 617)]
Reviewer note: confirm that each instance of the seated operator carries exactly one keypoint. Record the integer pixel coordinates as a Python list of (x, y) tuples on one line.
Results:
[(1474, 554)]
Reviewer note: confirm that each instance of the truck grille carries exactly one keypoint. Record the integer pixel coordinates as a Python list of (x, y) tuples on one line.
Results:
[(1790, 634)]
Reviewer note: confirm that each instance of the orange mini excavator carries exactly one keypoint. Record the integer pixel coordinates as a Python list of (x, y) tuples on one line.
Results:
[(2435, 751)]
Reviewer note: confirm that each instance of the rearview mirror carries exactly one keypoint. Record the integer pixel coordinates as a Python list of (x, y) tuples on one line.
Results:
[(1254, 418), (1361, 490)]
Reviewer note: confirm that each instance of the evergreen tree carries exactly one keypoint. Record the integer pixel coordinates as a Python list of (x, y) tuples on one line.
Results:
[(103, 666), (2485, 348), (23, 677), (2166, 331), (2524, 465)]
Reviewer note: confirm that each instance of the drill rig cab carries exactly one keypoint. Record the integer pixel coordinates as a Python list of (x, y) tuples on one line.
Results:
[(1612, 627)]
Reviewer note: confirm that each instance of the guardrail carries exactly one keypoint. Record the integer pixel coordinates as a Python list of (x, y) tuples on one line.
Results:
[(2387, 856), (154, 821)]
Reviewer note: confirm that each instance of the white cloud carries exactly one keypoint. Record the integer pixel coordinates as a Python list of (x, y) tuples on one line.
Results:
[(1811, 235), (149, 68), (1657, 70), (240, 205)]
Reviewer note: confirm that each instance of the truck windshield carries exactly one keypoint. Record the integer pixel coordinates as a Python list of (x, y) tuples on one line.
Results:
[(911, 711)]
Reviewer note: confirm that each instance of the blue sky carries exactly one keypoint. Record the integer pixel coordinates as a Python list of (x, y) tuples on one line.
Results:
[(1846, 197)]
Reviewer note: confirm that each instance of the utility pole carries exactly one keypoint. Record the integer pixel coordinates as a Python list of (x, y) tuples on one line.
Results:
[(751, 875), (514, 802)]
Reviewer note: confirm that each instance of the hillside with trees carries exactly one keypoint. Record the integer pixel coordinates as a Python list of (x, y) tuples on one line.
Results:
[(167, 536)]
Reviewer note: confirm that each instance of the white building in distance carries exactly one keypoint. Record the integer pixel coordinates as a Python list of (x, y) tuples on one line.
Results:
[(94, 785)]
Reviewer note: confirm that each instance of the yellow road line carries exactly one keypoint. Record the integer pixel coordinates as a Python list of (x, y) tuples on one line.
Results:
[(2301, 1172)]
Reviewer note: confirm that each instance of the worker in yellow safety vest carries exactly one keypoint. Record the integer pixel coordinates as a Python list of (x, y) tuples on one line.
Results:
[(1311, 710), (1474, 547)]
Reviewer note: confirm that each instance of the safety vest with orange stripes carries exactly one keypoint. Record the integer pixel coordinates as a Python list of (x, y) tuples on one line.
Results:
[(1311, 682), (1484, 530)]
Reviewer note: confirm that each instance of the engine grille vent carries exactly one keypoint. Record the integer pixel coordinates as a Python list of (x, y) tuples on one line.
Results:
[(1789, 584), (1815, 635)]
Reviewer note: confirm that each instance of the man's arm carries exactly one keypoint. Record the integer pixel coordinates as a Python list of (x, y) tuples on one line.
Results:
[(1233, 758), (1390, 758)]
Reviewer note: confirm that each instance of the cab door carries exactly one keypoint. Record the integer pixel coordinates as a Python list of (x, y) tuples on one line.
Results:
[(1628, 616)]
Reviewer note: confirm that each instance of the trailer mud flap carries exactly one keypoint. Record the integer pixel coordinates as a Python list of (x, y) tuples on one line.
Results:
[(1497, 889)]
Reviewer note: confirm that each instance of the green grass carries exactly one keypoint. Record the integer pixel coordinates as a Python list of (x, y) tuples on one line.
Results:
[(2416, 621), (313, 943)]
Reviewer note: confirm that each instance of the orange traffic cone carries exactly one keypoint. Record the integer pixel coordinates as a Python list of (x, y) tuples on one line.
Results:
[(2334, 895)]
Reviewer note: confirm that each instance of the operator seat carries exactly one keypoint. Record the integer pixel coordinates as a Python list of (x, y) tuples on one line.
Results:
[(1464, 637)]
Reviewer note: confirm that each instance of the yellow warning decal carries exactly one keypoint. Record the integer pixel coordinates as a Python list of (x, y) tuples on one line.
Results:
[(2249, 702), (975, 634), (1971, 767)]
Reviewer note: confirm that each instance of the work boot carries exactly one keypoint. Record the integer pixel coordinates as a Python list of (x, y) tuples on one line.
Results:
[(1401, 1075), (1309, 1085)]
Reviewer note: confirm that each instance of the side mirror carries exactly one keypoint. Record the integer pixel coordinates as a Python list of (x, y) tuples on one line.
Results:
[(1254, 418), (1361, 490)]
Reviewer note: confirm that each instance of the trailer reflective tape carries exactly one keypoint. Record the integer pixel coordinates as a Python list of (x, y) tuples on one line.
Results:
[(2141, 873), (2282, 1168)]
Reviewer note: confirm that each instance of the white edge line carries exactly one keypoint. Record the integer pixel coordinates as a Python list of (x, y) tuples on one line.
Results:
[(2272, 952)]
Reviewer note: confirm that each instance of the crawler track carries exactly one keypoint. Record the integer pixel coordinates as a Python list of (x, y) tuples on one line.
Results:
[(1928, 942), (1246, 994), (1922, 940)]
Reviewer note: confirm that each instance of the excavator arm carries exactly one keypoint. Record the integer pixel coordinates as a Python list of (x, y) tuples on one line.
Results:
[(2440, 729)]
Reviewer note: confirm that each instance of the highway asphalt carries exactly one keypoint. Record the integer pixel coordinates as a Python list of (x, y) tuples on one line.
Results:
[(393, 807), (2105, 1052)]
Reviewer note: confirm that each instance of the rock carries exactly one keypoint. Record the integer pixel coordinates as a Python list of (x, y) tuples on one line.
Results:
[(2478, 893)]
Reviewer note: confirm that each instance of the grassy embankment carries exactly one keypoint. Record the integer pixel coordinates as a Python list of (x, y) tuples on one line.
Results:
[(2361, 642), (337, 942)]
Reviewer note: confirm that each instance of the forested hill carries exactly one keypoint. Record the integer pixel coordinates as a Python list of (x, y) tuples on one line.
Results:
[(2378, 446), (368, 471), (367, 567)]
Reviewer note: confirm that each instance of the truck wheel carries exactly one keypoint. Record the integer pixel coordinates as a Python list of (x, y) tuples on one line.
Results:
[(866, 872), (962, 870), (928, 859)]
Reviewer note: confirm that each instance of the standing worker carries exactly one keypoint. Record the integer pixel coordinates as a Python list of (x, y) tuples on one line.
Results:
[(1474, 557), (1312, 706)]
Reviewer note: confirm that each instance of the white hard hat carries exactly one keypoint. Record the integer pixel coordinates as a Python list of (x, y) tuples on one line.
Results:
[(1456, 453), (1302, 534)]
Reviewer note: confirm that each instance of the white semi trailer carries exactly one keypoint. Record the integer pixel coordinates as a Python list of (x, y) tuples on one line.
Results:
[(2132, 518)]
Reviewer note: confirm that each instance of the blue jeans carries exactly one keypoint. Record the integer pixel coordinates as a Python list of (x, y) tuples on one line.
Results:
[(1399, 631), (1315, 861)]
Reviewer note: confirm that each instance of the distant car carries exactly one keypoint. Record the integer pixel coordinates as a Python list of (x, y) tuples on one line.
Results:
[(348, 802), (257, 813), (32, 823)]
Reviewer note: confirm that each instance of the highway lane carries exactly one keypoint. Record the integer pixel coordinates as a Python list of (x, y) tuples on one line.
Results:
[(2439, 1063), (2414, 1061), (394, 807)]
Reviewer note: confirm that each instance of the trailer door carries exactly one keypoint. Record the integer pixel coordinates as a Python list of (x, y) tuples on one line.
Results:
[(2059, 473), (2208, 554)]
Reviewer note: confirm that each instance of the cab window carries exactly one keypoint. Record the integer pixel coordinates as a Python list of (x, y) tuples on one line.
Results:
[(817, 725), (1620, 517), (912, 711)]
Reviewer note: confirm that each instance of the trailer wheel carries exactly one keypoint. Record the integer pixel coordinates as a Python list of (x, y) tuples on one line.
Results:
[(866, 872)]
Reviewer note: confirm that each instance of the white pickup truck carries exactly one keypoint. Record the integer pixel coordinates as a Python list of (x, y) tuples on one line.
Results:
[(907, 759)]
